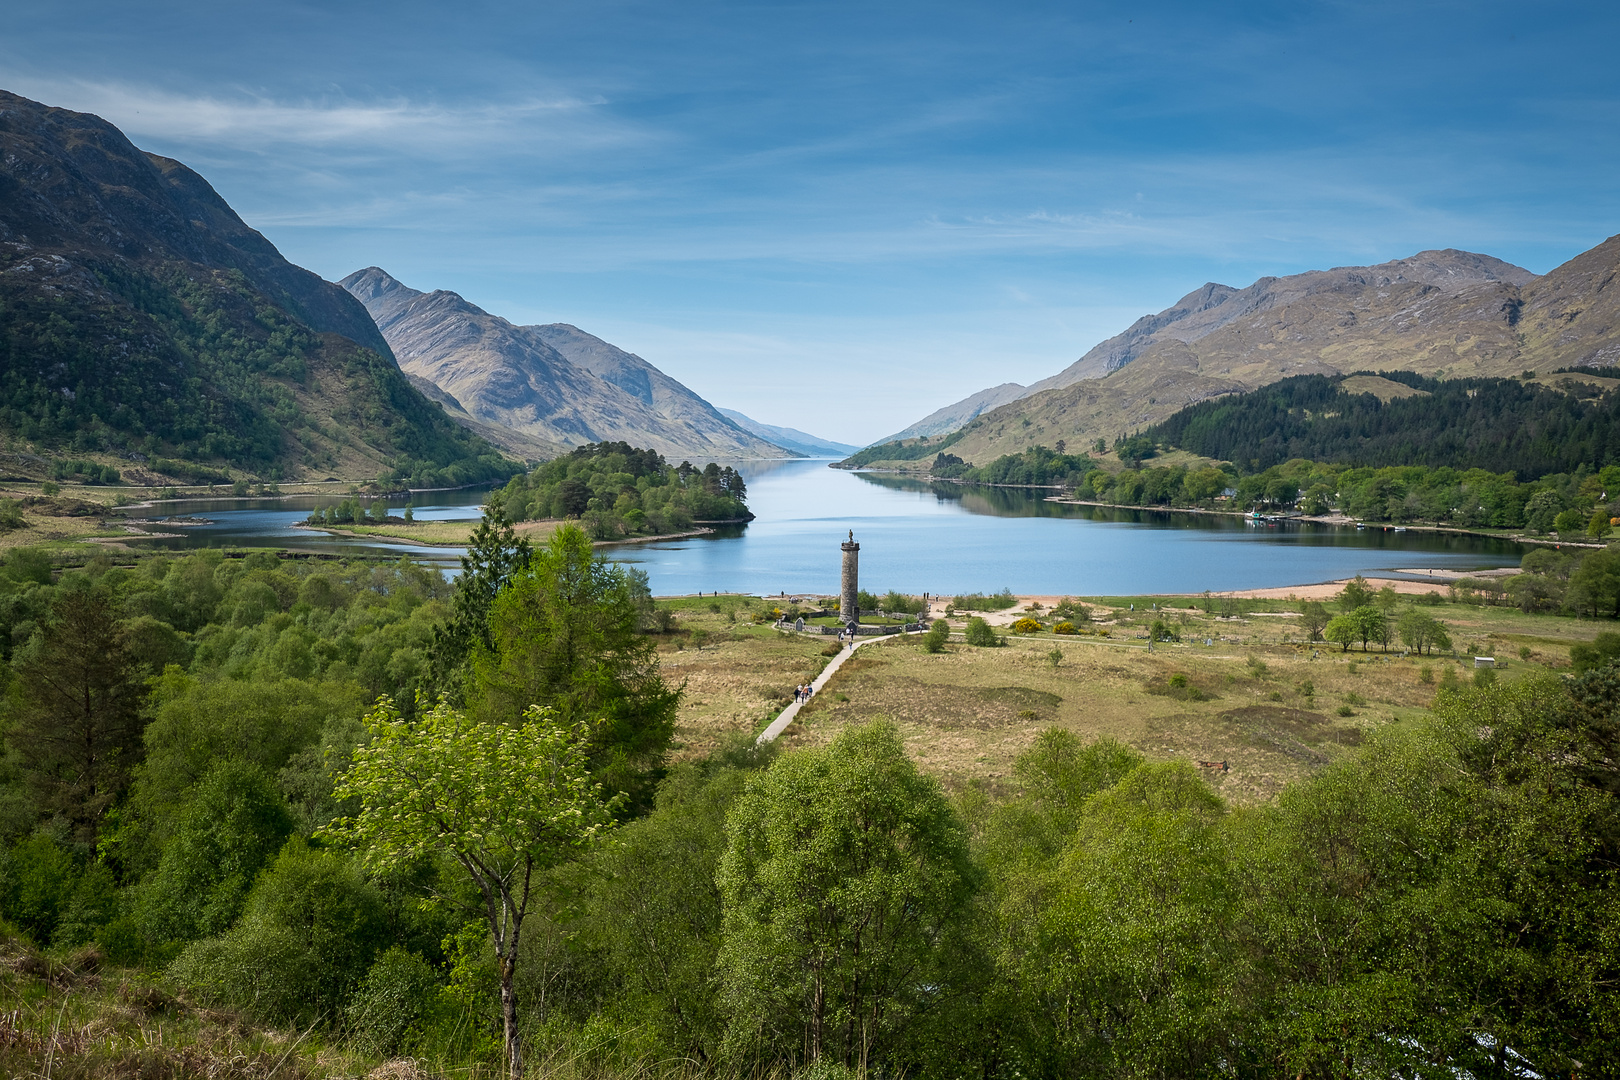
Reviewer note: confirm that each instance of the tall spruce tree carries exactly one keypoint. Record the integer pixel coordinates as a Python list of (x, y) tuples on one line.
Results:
[(494, 555), (76, 729)]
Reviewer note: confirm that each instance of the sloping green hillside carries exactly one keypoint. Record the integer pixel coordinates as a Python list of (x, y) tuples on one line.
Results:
[(141, 319)]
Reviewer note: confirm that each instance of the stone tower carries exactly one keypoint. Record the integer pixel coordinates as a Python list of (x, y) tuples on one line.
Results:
[(849, 605)]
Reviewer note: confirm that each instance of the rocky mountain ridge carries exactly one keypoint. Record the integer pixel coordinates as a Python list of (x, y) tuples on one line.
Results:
[(553, 383), (1447, 313)]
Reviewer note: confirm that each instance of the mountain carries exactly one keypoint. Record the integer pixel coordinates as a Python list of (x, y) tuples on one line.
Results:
[(790, 438), (951, 417), (553, 383), (142, 319), (1451, 314)]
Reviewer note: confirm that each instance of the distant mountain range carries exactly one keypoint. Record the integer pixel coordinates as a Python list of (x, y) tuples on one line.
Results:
[(554, 384), (140, 318), (791, 438), (1449, 314)]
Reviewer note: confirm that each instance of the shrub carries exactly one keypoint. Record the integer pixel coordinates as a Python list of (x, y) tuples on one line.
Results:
[(1073, 610), (1000, 601), (978, 632), (259, 966), (37, 881), (1345, 710), (1027, 626), (938, 634), (312, 928), (1066, 628), (388, 1009), (92, 907), (893, 601), (1603, 651)]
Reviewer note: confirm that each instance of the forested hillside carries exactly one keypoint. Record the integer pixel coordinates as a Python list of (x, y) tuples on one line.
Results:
[(1520, 426), (140, 318)]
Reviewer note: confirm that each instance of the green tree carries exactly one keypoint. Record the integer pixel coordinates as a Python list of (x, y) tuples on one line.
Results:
[(655, 907), (565, 633), (1570, 523), (1421, 631), (1594, 587), (233, 824), (505, 801), (844, 875), (938, 634), (1357, 593), (76, 728), (1541, 510), (1370, 625), (198, 723), (1117, 946), (494, 554), (1343, 630), (1313, 619)]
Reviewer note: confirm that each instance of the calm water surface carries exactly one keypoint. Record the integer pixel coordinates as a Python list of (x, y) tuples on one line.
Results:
[(919, 537)]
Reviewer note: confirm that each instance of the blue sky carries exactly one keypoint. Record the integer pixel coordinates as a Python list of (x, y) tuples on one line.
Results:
[(842, 216)]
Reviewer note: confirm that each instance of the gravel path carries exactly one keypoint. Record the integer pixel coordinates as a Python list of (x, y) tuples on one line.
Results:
[(786, 716)]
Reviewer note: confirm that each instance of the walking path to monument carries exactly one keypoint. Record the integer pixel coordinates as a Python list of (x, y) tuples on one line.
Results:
[(780, 724)]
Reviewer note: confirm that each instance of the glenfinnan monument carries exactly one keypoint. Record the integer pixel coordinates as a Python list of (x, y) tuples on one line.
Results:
[(849, 604)]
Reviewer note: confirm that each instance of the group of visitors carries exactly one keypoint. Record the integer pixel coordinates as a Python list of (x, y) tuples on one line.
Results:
[(802, 694)]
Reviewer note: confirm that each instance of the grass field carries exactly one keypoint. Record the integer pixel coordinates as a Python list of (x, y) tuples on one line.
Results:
[(1257, 698)]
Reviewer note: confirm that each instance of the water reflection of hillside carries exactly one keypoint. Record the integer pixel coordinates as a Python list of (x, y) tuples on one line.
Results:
[(1032, 503), (754, 469)]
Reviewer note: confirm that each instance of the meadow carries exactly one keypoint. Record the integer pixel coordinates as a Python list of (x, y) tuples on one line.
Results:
[(1271, 706)]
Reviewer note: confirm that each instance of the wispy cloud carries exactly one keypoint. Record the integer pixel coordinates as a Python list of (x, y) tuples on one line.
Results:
[(244, 119)]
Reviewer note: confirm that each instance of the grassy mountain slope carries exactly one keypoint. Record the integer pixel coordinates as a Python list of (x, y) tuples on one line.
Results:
[(554, 383), (141, 318), (953, 416), (1444, 314)]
